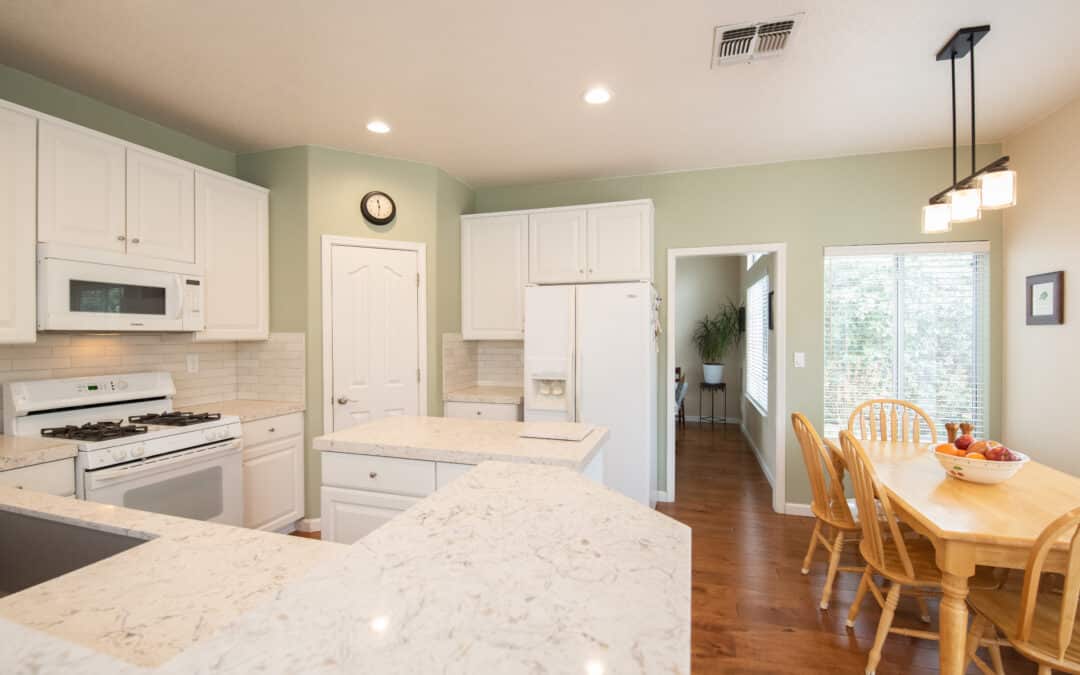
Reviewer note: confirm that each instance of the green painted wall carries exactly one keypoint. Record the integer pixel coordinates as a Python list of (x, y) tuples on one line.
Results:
[(316, 191), (869, 199), (32, 92)]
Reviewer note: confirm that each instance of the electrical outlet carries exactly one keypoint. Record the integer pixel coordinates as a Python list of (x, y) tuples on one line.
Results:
[(193, 363), (800, 359)]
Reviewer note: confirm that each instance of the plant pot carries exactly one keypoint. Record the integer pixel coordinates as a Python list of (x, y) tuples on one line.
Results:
[(713, 372)]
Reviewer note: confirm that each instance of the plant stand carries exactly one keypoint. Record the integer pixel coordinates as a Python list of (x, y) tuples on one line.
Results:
[(712, 389)]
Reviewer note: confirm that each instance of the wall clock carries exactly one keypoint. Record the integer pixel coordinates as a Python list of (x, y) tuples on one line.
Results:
[(378, 208)]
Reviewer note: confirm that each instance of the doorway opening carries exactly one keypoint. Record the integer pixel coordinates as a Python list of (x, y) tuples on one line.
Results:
[(725, 355)]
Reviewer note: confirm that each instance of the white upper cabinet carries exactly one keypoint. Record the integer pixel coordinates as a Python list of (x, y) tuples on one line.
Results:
[(591, 243), (160, 207), (557, 247), (18, 148), (494, 269), (620, 243), (233, 231), (80, 188)]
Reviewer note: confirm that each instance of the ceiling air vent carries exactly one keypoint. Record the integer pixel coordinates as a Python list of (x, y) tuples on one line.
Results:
[(748, 42)]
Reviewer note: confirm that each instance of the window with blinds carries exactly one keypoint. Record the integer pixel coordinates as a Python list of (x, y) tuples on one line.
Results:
[(757, 344), (908, 322)]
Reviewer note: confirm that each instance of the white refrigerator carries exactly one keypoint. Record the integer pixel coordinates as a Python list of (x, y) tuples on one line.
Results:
[(590, 357)]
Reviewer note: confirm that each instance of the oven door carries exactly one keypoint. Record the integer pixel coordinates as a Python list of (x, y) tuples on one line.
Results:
[(74, 295), (203, 483)]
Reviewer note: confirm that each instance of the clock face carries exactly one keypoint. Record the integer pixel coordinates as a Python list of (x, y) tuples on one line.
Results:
[(378, 207)]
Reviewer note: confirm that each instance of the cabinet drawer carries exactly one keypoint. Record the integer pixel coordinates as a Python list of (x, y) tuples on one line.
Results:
[(55, 478), (381, 474), (485, 411), (273, 428)]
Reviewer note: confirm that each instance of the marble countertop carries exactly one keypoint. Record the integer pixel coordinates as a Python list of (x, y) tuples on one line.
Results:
[(20, 451), (248, 410), (149, 603), (487, 394), (512, 568), (462, 441)]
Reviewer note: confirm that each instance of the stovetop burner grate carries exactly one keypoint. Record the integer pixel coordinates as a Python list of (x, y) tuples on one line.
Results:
[(94, 431), (175, 419)]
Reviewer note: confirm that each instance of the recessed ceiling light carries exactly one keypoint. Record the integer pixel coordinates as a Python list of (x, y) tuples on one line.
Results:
[(597, 95), (378, 127)]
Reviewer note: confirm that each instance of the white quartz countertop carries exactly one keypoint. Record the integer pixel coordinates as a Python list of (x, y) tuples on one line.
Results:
[(151, 602), (248, 410), (447, 439), (512, 568), (486, 394), (19, 451)]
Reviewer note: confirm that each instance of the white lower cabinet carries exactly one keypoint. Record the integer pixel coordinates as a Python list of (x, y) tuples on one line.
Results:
[(55, 478), (509, 412), (349, 515), (362, 492), (274, 472)]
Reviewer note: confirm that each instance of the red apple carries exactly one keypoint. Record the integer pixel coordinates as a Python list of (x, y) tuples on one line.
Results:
[(997, 453), (1008, 455), (963, 442)]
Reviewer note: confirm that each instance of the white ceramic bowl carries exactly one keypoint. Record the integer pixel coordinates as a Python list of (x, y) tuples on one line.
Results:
[(981, 470)]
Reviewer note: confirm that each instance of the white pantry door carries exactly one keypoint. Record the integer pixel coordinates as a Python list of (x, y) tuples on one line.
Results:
[(374, 309)]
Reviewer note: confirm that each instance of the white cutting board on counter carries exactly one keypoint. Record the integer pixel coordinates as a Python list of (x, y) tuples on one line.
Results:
[(556, 431)]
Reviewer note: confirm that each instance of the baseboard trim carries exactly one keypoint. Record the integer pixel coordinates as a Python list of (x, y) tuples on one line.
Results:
[(758, 455), (793, 509), (662, 496), (309, 525)]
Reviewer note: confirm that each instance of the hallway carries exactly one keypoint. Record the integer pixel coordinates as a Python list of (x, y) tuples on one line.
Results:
[(752, 610)]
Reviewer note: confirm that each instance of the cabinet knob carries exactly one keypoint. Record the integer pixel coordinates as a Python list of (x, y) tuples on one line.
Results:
[(590, 270), (18, 487), (478, 412), (135, 240), (342, 400), (372, 474), (120, 237), (271, 430)]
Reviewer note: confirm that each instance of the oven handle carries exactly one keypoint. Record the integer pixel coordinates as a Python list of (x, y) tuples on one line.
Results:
[(165, 463)]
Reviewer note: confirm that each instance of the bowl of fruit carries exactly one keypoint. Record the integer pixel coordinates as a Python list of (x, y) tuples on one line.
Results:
[(986, 462)]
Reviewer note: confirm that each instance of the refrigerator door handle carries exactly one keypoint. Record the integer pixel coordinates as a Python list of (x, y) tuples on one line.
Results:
[(577, 387)]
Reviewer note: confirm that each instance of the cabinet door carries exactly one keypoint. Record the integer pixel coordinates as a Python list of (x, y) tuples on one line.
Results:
[(349, 515), (80, 188), (557, 247), (18, 280), (620, 243), (494, 269), (160, 207), (274, 483), (231, 223)]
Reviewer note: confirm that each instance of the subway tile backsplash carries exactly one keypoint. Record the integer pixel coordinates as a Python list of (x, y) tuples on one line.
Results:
[(271, 370), (467, 363)]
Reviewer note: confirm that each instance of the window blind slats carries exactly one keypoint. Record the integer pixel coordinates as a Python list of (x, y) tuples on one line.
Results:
[(757, 343), (913, 326)]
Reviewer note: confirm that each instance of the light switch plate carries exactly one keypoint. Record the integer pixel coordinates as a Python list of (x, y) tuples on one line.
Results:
[(193, 363), (800, 359)]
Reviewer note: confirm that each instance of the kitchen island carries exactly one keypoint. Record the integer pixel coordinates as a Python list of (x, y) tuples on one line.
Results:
[(514, 567)]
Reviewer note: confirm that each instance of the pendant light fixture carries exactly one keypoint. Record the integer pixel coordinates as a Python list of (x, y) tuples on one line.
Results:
[(991, 187)]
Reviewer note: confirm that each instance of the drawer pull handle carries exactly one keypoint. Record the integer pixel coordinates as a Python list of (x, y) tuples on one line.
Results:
[(372, 474), (18, 487)]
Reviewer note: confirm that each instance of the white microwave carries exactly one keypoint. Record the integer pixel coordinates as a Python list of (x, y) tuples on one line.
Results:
[(82, 295)]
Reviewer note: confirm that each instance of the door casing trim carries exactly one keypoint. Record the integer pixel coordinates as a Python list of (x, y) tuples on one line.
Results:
[(329, 241)]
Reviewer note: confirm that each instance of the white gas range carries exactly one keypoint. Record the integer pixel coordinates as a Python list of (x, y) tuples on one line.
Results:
[(134, 450)]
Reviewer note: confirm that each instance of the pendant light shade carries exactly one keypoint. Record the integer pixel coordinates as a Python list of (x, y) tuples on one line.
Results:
[(998, 189), (965, 205), (936, 218)]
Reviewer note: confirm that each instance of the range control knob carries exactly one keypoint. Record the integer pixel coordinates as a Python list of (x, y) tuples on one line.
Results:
[(119, 453), (138, 451)]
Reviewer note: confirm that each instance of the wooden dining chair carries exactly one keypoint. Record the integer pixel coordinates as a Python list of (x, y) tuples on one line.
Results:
[(1036, 621), (828, 503), (889, 419), (907, 563)]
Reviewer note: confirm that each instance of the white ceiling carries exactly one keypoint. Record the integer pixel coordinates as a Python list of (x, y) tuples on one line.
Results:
[(490, 90)]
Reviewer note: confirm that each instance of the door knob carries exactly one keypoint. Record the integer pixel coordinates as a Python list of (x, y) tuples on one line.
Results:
[(342, 400)]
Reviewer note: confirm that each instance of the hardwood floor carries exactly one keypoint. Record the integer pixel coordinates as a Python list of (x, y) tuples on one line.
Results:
[(752, 610)]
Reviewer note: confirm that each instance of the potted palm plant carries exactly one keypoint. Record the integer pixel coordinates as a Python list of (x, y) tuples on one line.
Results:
[(713, 337)]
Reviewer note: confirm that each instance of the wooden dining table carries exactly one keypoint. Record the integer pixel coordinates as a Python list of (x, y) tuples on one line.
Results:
[(969, 523)]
